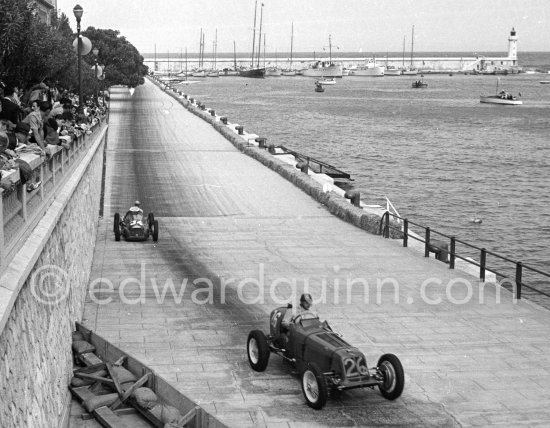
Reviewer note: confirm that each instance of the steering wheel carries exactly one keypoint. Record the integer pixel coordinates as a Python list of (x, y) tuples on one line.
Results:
[(305, 316)]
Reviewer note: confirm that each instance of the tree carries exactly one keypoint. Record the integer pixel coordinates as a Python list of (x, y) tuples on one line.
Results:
[(123, 63)]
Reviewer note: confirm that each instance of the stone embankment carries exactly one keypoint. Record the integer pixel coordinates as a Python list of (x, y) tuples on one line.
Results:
[(51, 233)]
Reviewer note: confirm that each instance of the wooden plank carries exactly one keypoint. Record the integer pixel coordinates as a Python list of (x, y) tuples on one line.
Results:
[(188, 417), (81, 393), (108, 419), (120, 361), (123, 397), (90, 369), (115, 379), (94, 377), (89, 359)]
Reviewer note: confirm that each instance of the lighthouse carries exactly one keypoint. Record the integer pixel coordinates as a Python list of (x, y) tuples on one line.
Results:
[(513, 47)]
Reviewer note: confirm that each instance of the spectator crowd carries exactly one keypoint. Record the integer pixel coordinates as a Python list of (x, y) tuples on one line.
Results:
[(39, 116)]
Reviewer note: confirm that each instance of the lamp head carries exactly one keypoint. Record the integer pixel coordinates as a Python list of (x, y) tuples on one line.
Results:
[(78, 11)]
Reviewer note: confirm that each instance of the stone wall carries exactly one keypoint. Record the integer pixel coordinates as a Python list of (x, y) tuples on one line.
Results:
[(35, 343)]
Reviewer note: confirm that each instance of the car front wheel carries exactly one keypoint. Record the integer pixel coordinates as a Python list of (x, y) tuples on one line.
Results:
[(116, 227), (257, 350), (314, 387), (155, 230), (393, 375)]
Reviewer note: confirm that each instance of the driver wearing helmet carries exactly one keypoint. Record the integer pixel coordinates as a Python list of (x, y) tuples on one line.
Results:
[(135, 213)]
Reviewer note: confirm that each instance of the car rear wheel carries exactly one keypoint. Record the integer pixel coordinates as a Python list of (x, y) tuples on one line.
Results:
[(314, 387), (391, 370), (155, 230), (116, 227), (257, 350), (150, 219)]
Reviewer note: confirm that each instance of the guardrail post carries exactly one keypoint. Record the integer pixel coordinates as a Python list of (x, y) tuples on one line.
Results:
[(387, 226), (427, 243), (453, 248), (405, 232), (482, 262), (519, 271)]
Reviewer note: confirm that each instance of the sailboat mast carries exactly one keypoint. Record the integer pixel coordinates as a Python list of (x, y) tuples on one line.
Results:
[(264, 52), (186, 63), (329, 49), (403, 63), (200, 48), (412, 46), (234, 55), (169, 62), (254, 34), (260, 36), (202, 51), (155, 66), (291, 43), (215, 48)]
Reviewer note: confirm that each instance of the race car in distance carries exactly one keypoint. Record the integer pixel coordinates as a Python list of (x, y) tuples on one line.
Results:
[(133, 228), (324, 359)]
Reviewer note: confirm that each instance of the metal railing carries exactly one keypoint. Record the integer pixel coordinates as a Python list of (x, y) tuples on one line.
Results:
[(447, 252), (21, 210)]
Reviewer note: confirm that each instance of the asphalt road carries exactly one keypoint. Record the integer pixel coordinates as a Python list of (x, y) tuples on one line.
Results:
[(227, 221)]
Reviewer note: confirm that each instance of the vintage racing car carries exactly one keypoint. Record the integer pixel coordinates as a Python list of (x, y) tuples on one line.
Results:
[(324, 359), (133, 228)]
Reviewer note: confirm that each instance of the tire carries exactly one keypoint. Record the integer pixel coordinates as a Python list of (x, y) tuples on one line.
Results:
[(257, 350), (314, 387), (391, 370), (116, 226), (150, 219), (156, 230)]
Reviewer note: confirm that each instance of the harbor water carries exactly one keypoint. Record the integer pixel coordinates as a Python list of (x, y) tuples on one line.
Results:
[(438, 154)]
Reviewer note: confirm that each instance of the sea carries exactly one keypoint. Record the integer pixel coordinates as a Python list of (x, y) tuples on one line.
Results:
[(441, 157)]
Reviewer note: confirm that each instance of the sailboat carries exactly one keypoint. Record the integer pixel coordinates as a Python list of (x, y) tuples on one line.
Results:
[(290, 71), (501, 97), (214, 71), (256, 72), (325, 68), (411, 70), (200, 72)]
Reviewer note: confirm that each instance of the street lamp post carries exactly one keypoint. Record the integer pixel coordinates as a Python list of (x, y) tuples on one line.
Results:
[(78, 11), (95, 51)]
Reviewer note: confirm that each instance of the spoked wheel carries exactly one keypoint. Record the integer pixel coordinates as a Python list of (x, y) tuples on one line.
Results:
[(392, 372), (155, 230), (116, 227), (150, 219), (257, 350), (314, 387)]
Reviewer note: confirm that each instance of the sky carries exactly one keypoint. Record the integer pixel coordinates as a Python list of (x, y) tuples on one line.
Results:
[(354, 25)]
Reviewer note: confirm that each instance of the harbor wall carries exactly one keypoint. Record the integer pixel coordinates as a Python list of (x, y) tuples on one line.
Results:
[(246, 143), (42, 292)]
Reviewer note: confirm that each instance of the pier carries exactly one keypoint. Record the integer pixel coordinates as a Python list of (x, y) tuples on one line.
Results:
[(472, 354)]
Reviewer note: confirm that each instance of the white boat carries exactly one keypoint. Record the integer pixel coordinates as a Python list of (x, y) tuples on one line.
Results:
[(273, 72), (502, 98), (390, 70), (199, 73), (325, 68), (544, 82), (330, 81), (213, 73), (289, 73), (368, 69)]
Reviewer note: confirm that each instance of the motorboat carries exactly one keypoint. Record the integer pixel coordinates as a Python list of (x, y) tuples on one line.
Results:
[(419, 83), (501, 98), (368, 69), (324, 69), (325, 81), (392, 71), (319, 87)]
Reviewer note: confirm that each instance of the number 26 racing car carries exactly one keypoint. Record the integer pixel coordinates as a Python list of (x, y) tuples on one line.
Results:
[(133, 227), (325, 361)]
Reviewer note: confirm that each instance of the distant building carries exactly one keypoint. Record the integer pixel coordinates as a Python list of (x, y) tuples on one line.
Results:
[(44, 10)]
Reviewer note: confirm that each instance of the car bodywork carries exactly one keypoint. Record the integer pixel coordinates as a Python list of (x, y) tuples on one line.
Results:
[(324, 359), (134, 228)]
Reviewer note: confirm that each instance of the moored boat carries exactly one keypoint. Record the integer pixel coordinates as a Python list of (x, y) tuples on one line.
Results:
[(252, 72), (325, 81), (370, 68), (323, 69)]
